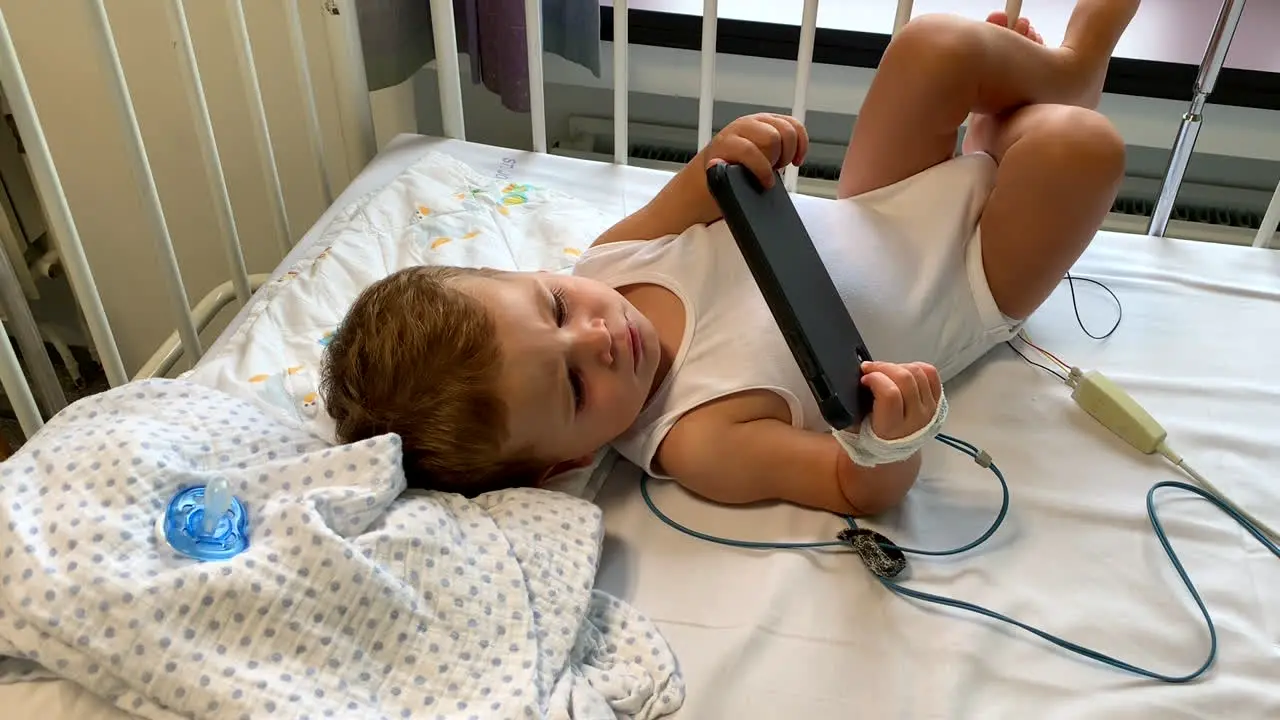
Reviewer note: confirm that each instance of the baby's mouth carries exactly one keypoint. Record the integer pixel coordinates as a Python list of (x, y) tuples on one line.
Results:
[(637, 346)]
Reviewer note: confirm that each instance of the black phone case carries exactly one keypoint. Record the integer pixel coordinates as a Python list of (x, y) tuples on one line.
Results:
[(798, 290)]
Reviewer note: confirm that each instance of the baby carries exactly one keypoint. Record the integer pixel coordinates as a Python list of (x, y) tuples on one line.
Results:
[(659, 342)]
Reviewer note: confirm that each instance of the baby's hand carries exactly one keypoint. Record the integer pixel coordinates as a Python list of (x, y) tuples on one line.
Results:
[(906, 397), (763, 143)]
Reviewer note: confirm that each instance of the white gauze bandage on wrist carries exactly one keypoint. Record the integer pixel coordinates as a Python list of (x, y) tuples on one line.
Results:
[(868, 450)]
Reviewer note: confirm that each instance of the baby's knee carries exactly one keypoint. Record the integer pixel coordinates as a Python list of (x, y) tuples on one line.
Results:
[(938, 44), (1083, 140)]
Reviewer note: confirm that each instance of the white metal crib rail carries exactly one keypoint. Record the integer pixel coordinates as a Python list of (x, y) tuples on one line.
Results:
[(356, 115)]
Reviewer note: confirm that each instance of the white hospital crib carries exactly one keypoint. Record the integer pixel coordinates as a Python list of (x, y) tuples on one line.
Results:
[(811, 635)]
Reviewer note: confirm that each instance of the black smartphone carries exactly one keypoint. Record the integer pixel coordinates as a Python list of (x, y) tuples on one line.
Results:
[(798, 290)]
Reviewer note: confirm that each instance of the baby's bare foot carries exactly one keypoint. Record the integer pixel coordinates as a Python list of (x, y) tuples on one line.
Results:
[(1022, 26), (981, 128), (1092, 35)]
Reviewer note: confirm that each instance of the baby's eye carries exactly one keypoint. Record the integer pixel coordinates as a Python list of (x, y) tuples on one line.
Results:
[(575, 384), (562, 308)]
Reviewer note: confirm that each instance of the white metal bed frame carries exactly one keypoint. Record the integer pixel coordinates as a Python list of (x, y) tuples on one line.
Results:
[(356, 116)]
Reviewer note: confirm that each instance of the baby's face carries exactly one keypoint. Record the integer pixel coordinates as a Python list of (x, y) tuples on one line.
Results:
[(579, 361)]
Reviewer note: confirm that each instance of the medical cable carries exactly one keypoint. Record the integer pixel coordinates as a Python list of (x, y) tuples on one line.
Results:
[(1116, 410), (1071, 283), (1251, 525)]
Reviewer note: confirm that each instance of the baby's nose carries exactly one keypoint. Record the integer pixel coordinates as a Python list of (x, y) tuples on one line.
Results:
[(597, 341)]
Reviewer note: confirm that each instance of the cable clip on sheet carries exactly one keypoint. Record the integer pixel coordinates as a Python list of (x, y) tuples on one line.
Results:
[(881, 556)]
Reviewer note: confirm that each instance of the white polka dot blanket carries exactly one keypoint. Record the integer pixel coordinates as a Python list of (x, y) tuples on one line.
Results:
[(352, 599)]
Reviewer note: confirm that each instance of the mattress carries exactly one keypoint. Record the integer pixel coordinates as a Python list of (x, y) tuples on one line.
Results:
[(811, 634), (769, 634)]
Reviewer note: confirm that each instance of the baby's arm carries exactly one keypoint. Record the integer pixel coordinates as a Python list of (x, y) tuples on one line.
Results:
[(729, 454), (763, 143), (767, 459)]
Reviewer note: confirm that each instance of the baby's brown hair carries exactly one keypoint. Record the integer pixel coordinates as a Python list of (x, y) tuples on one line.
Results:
[(418, 356)]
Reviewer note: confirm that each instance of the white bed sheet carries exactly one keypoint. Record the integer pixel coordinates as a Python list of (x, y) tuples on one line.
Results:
[(813, 635), (789, 634)]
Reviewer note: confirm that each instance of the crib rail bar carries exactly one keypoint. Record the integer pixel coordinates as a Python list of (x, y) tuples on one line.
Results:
[(804, 65), (23, 323), (65, 235), (621, 79), (1215, 54), (354, 106), (903, 16), (537, 89), (1270, 221), (298, 44), (448, 73), (110, 59), (208, 146), (707, 81), (1013, 9), (170, 351), (258, 117), (15, 385)]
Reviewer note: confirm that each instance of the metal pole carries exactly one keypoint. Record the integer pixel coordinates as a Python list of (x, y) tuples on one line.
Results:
[(209, 147), (1012, 10), (347, 61), (621, 91), (804, 64), (65, 236), (261, 130), (1270, 221), (14, 302), (537, 90), (298, 43), (707, 82), (903, 16), (110, 58), (448, 74), (16, 388), (1189, 129)]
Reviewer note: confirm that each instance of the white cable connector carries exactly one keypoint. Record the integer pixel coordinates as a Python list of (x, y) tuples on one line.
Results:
[(1110, 405), (1073, 377), (1117, 411)]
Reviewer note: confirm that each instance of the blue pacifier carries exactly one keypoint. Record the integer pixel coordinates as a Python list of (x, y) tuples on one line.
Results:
[(207, 522)]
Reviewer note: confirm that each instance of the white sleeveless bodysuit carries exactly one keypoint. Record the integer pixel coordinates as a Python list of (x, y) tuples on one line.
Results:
[(906, 259)]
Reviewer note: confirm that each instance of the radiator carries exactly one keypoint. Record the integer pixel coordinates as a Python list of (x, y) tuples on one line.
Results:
[(1196, 216)]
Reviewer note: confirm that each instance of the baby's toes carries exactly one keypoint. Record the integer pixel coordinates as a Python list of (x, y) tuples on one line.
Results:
[(1022, 26)]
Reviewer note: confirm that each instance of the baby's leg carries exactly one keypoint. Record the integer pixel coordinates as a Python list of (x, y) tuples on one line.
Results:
[(941, 68), (1060, 164)]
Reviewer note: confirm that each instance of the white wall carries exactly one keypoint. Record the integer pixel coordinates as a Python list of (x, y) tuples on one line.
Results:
[(69, 86)]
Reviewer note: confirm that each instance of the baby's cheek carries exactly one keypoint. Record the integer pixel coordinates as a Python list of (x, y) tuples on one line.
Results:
[(614, 407)]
